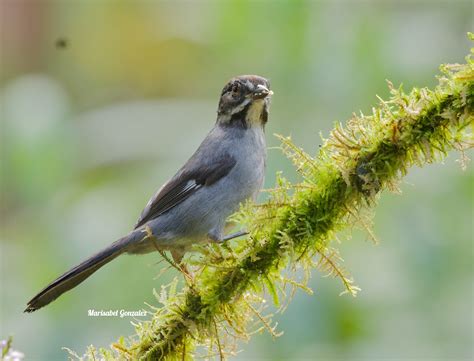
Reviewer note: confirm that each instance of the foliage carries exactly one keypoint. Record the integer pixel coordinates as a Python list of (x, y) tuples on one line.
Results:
[(7, 353), (294, 230)]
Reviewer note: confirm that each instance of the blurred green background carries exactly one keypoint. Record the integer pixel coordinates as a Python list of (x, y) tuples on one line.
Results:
[(102, 101)]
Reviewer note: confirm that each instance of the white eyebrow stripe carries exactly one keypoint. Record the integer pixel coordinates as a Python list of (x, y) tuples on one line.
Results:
[(241, 106)]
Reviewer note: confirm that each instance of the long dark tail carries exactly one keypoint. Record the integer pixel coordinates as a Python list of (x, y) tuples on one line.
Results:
[(76, 275)]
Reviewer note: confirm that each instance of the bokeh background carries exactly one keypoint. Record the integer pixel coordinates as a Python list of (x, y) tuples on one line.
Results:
[(102, 101)]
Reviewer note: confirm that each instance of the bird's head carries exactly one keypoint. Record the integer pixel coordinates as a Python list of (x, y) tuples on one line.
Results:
[(245, 101)]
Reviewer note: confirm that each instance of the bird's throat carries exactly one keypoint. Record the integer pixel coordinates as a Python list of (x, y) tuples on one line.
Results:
[(248, 114), (257, 113)]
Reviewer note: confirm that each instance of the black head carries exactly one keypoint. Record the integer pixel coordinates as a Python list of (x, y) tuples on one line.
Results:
[(244, 102)]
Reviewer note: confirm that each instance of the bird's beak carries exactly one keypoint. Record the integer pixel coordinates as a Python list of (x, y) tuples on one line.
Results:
[(261, 92)]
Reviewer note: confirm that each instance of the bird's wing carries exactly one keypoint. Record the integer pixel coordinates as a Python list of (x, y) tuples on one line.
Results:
[(194, 175)]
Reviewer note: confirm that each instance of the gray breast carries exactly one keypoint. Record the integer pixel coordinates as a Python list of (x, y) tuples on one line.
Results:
[(207, 210)]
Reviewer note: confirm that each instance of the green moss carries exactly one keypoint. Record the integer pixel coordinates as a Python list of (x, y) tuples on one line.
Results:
[(339, 185)]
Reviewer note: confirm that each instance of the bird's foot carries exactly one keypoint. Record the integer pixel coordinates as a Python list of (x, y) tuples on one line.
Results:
[(177, 256), (178, 264)]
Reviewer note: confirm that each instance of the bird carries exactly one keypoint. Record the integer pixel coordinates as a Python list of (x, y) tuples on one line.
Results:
[(226, 170)]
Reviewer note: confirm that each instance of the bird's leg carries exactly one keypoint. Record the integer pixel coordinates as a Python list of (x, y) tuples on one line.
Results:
[(177, 255), (234, 235), (177, 258), (217, 238)]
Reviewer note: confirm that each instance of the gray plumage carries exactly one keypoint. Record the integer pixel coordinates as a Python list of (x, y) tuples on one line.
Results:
[(192, 207)]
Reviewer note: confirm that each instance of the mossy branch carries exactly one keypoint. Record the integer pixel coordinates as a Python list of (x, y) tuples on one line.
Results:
[(295, 227)]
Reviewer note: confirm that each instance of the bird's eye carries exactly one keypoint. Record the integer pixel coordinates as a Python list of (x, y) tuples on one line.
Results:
[(235, 87)]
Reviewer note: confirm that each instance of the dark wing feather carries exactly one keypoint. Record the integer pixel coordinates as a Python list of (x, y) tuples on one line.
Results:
[(195, 174)]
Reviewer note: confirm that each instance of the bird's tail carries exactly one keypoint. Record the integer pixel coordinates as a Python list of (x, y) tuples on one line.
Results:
[(76, 275)]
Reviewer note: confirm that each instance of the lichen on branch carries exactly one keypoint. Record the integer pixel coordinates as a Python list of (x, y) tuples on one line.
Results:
[(294, 229)]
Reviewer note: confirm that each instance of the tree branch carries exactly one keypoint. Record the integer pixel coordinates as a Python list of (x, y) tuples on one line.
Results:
[(338, 188)]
